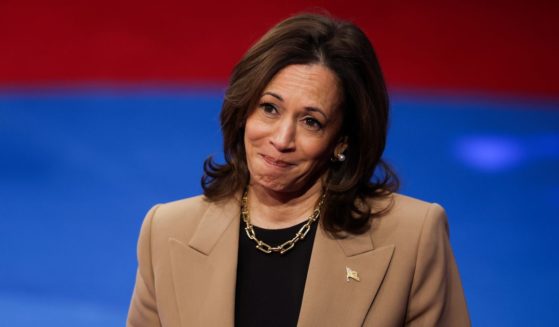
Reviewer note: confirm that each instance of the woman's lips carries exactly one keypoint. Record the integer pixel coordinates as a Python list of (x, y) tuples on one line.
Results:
[(275, 162)]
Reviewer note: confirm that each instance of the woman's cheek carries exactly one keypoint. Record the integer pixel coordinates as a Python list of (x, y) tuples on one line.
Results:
[(255, 129), (313, 148)]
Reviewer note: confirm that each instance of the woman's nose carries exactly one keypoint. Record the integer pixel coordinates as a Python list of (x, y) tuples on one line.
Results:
[(283, 137)]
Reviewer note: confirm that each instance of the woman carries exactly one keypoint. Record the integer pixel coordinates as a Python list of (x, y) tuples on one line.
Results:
[(294, 229)]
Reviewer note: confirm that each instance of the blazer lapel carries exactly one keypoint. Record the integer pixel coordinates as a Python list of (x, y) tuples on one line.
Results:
[(205, 268), (329, 297)]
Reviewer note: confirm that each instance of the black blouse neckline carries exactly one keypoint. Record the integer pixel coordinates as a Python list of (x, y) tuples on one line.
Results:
[(270, 287)]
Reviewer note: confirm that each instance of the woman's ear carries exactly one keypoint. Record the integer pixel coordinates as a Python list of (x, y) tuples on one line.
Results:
[(341, 146)]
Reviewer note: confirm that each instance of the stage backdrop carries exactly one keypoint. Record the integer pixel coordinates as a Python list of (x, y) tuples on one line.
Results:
[(109, 107)]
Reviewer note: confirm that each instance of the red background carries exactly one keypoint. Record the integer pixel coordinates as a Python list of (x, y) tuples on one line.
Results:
[(496, 46)]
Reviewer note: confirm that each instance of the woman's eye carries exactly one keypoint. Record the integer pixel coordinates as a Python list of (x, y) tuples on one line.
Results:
[(312, 123), (268, 108)]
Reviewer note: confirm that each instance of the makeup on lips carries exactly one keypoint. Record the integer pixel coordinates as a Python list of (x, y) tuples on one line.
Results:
[(276, 163)]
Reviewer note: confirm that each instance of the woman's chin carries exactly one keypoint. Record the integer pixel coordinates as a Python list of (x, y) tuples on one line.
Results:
[(273, 185)]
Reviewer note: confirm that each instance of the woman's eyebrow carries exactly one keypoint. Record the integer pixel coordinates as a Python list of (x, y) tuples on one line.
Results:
[(275, 95), (318, 110)]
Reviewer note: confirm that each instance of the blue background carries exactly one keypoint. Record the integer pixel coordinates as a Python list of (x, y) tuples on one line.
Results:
[(80, 168)]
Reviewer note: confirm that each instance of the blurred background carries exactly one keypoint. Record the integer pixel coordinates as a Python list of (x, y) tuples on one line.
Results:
[(108, 107)]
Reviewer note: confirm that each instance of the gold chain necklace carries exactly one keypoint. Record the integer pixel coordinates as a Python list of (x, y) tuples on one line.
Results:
[(286, 246)]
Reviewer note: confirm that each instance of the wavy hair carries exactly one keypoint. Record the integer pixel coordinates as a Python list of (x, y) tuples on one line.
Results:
[(351, 185)]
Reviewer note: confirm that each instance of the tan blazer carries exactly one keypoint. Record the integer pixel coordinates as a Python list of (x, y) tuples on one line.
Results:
[(187, 254)]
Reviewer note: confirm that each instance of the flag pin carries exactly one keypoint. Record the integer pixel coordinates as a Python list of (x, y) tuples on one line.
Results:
[(351, 274)]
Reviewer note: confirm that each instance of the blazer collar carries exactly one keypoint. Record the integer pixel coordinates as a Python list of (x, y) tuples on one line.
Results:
[(204, 272), (213, 224)]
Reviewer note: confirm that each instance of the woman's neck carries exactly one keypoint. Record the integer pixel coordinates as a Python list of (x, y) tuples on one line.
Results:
[(275, 210)]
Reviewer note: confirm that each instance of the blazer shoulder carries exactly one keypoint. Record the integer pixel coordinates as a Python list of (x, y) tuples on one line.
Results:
[(410, 206), (178, 218), (405, 218), (171, 210), (406, 208)]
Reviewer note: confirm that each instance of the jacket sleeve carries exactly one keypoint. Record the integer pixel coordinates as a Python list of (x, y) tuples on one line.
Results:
[(143, 306), (436, 297)]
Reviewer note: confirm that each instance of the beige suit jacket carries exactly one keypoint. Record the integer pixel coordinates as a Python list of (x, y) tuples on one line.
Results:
[(187, 255)]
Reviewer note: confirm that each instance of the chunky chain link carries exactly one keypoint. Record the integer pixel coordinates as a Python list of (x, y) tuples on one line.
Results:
[(286, 246)]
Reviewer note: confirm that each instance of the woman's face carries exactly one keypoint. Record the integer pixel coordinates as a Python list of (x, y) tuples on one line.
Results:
[(290, 135)]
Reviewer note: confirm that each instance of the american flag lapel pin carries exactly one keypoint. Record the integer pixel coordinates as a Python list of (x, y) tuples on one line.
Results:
[(351, 274)]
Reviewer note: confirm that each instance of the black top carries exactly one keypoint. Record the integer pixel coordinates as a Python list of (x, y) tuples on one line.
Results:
[(270, 286)]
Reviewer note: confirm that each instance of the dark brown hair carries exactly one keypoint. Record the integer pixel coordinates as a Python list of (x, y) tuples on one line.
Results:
[(345, 49)]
